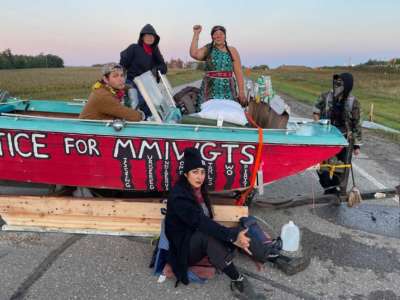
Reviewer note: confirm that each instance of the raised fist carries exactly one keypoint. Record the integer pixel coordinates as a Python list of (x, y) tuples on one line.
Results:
[(197, 29)]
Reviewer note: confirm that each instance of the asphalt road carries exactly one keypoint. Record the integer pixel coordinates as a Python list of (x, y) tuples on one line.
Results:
[(354, 252)]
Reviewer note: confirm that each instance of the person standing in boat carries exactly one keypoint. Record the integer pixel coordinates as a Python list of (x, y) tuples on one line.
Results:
[(342, 110), (224, 77), (193, 234), (140, 58), (106, 101)]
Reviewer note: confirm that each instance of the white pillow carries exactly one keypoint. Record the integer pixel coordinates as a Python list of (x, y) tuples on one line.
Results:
[(227, 110)]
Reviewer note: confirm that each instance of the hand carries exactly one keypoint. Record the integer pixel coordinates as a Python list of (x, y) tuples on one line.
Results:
[(154, 71), (197, 29), (242, 241), (242, 99)]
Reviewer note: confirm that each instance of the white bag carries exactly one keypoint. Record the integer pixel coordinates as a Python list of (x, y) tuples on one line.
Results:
[(227, 110)]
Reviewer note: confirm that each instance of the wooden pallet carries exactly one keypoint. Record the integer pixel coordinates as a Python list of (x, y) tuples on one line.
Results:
[(92, 215)]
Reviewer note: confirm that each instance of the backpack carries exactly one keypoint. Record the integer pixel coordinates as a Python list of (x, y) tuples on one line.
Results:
[(265, 249), (262, 246), (186, 99)]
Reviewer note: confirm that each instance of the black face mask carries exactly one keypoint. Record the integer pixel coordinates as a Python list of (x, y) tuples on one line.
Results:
[(338, 87)]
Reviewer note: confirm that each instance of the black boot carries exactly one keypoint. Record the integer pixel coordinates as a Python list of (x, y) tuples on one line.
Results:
[(243, 289)]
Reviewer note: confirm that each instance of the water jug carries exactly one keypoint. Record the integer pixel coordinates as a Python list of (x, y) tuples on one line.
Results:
[(290, 235)]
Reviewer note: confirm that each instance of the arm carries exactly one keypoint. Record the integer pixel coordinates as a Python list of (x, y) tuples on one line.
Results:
[(195, 219), (196, 52), (318, 107), (237, 69), (126, 57), (160, 62), (356, 126)]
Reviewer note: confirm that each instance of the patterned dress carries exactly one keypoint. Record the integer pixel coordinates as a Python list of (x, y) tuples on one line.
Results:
[(214, 86)]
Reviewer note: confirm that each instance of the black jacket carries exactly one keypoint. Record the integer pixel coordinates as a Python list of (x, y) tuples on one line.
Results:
[(136, 61), (184, 217)]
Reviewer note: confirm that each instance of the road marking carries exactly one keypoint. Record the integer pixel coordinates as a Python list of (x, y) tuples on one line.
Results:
[(372, 179)]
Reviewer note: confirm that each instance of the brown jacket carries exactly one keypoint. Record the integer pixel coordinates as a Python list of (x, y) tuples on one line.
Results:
[(102, 105)]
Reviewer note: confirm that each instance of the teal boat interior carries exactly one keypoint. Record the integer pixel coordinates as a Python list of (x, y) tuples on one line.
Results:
[(63, 116)]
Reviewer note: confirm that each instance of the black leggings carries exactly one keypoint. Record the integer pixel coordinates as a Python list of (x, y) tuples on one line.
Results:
[(219, 253)]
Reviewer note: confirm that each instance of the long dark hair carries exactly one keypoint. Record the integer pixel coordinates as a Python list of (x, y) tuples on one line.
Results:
[(210, 48), (211, 45), (204, 192)]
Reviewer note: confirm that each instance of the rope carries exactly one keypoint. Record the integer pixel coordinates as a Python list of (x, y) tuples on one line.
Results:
[(332, 168), (257, 162)]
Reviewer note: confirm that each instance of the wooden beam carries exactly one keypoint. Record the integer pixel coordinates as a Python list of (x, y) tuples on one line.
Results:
[(83, 214)]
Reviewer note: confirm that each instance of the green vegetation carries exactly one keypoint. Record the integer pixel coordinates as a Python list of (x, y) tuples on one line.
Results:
[(12, 61), (304, 84), (381, 89), (181, 76), (67, 83)]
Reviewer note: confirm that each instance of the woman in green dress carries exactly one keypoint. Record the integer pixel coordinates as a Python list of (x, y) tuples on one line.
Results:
[(224, 77)]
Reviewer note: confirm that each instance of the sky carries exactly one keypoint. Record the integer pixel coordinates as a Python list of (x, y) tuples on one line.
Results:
[(292, 32)]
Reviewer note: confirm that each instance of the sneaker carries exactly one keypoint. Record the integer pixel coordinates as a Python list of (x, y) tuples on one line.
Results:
[(243, 289)]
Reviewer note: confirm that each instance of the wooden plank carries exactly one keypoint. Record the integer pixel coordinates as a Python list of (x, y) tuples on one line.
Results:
[(95, 215), (102, 208), (76, 231), (85, 222), (79, 206), (81, 223)]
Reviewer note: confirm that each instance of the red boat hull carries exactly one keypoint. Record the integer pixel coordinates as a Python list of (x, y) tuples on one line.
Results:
[(143, 164)]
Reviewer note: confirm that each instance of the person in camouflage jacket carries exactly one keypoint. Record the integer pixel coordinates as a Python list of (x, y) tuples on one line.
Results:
[(343, 111)]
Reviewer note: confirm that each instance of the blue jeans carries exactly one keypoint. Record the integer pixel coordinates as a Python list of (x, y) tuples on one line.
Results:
[(142, 103)]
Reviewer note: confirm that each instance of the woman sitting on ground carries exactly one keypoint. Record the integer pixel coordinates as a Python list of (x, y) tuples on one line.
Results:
[(221, 62), (193, 234)]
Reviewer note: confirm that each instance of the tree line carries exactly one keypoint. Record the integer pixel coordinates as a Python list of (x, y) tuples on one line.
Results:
[(12, 61)]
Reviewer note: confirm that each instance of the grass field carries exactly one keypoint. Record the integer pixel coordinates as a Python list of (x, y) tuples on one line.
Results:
[(67, 83), (381, 89), (301, 83)]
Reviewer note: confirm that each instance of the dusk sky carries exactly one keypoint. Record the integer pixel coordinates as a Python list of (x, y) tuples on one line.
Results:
[(301, 32)]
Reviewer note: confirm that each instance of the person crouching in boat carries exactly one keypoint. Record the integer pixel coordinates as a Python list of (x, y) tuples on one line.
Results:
[(138, 58), (106, 101), (222, 66), (193, 234)]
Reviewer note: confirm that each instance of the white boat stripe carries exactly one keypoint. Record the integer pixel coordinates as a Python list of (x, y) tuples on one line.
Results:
[(372, 179)]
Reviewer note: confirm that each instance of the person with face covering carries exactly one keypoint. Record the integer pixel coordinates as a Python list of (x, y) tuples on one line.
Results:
[(140, 58), (342, 110), (106, 101), (224, 77), (193, 234)]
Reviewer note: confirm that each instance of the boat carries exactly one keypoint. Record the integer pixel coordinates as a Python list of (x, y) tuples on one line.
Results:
[(44, 141)]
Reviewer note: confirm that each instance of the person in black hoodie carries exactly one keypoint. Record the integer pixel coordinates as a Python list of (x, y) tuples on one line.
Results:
[(342, 110), (142, 57), (193, 234)]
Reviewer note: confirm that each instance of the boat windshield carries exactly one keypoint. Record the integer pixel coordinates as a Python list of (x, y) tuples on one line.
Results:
[(158, 97)]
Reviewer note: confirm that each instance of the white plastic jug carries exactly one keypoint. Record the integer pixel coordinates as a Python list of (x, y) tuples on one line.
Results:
[(290, 236)]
